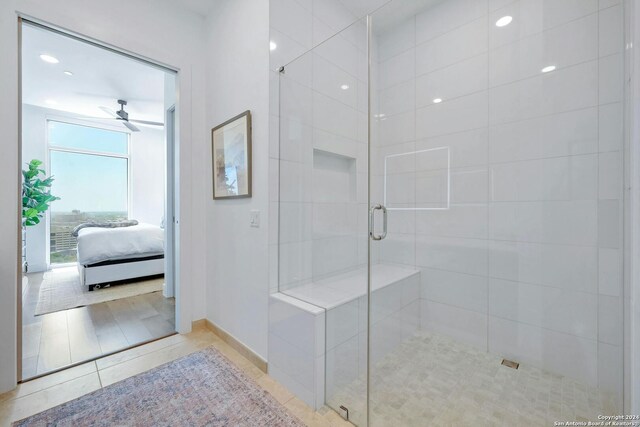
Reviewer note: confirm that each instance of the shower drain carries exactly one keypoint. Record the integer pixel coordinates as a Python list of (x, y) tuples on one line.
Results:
[(510, 363)]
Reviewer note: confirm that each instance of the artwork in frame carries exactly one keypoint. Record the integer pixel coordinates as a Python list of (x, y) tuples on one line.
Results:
[(231, 149)]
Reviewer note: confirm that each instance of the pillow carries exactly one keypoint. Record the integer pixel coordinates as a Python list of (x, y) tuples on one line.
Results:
[(110, 224)]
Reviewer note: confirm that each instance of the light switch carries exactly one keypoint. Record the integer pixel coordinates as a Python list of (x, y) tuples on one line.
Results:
[(254, 220)]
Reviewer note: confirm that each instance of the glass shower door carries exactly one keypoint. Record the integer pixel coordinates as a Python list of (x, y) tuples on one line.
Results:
[(496, 212), (323, 166)]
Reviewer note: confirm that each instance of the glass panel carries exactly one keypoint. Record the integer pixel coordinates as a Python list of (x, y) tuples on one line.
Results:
[(91, 188), (497, 150), (72, 136), (323, 214)]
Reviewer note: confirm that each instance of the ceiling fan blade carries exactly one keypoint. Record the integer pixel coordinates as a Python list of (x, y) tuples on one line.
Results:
[(110, 112), (97, 118), (147, 122), (130, 126)]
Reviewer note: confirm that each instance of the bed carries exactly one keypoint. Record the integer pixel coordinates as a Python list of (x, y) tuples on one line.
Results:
[(108, 255)]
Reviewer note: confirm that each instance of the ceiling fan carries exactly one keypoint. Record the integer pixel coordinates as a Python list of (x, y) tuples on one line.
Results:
[(123, 116)]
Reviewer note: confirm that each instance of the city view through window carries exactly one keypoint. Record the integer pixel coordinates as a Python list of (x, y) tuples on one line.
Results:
[(90, 167)]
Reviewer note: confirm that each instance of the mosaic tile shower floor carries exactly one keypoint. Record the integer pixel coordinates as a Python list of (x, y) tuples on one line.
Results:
[(432, 380)]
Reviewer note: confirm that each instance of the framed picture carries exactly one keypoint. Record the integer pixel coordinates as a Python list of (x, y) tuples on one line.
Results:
[(231, 150)]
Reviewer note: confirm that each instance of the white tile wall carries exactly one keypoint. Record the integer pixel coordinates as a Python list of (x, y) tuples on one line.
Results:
[(556, 135), (568, 354), (526, 261), (563, 46), (465, 325)]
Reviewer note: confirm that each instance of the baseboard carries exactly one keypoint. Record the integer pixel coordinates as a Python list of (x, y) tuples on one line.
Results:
[(258, 361), (199, 324)]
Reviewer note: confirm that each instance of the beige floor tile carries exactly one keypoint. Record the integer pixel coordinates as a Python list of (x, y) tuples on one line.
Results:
[(39, 384), (30, 366), (111, 340), (43, 393), (158, 326), (148, 361), (334, 419), (135, 352), (306, 414), (83, 341), (239, 360), (142, 307), (16, 409), (277, 390), (31, 339), (54, 351)]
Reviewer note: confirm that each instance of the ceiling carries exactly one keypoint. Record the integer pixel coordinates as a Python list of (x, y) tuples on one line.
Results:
[(100, 77)]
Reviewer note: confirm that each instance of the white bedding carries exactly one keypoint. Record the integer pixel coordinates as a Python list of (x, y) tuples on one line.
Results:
[(108, 244)]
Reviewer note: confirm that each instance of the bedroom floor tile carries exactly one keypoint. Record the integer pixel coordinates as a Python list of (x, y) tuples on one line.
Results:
[(71, 336), (111, 340)]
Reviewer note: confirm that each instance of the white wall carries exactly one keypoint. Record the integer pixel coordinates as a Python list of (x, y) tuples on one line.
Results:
[(237, 260), (144, 30), (147, 153), (34, 146)]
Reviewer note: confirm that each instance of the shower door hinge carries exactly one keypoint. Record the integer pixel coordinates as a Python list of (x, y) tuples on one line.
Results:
[(346, 411)]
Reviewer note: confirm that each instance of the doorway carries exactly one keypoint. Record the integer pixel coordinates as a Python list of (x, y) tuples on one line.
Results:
[(98, 201)]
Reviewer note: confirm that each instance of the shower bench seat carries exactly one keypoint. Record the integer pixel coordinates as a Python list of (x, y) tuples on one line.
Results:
[(317, 331)]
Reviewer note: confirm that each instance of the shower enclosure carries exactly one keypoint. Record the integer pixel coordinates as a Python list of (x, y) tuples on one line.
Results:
[(450, 210)]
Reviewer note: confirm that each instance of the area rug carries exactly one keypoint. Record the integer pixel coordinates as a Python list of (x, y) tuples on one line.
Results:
[(61, 290), (201, 389)]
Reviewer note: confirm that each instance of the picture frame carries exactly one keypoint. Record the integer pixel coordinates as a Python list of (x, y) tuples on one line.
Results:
[(231, 157)]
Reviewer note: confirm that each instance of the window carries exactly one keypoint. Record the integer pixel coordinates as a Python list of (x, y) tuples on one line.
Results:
[(90, 167)]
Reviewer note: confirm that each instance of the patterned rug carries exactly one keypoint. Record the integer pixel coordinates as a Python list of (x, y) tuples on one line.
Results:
[(201, 389), (61, 290)]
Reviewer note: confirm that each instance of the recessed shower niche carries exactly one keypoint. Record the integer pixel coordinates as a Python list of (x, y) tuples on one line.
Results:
[(334, 214), (334, 177)]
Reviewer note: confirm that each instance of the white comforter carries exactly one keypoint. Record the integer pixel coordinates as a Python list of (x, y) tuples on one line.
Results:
[(107, 244)]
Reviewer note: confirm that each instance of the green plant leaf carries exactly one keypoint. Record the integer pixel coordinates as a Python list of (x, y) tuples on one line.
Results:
[(36, 196)]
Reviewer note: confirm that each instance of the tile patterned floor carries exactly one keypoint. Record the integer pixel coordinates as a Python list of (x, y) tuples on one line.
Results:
[(467, 387), (46, 392), (432, 380), (54, 340)]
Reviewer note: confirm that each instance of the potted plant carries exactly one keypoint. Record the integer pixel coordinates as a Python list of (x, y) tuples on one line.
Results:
[(36, 198)]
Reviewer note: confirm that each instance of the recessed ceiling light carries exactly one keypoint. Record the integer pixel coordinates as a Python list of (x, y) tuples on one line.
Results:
[(51, 102), (548, 68), (272, 45), (68, 73), (48, 58), (504, 21), (344, 87), (437, 100)]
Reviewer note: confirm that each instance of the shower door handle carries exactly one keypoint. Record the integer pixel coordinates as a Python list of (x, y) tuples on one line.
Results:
[(372, 221)]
